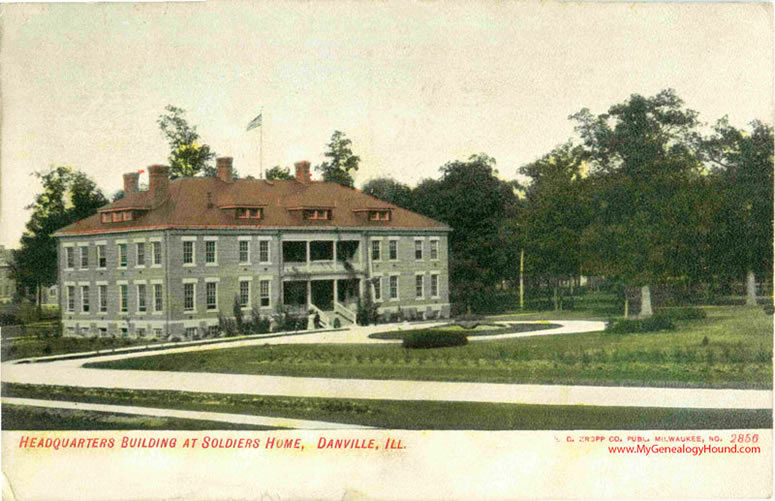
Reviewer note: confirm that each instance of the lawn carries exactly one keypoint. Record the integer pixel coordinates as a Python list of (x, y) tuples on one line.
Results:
[(394, 414), (42, 346), (731, 348), (23, 417)]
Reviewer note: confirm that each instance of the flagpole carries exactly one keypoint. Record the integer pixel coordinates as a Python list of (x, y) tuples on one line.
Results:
[(261, 148)]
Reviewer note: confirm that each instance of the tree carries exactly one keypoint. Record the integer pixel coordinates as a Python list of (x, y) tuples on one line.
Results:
[(641, 162), (743, 164), (389, 190), (554, 217), (341, 161), (188, 156), (277, 172), (471, 199), (68, 195)]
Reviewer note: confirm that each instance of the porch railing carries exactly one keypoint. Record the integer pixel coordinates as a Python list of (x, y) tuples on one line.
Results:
[(345, 312), (324, 320)]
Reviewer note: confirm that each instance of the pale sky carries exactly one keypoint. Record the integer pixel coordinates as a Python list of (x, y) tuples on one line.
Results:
[(413, 84)]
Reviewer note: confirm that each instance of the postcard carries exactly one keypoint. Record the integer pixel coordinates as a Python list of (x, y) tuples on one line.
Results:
[(403, 250)]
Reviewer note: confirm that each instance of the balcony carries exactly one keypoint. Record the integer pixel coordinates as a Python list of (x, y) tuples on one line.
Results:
[(321, 257)]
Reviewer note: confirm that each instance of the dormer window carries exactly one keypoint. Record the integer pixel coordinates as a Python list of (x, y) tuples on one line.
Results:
[(317, 214), (116, 216), (250, 213), (379, 215)]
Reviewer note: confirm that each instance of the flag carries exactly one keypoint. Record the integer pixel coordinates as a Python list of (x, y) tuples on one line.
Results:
[(256, 122), (141, 171)]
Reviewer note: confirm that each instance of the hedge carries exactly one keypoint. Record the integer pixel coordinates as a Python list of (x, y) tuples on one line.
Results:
[(654, 323), (433, 339)]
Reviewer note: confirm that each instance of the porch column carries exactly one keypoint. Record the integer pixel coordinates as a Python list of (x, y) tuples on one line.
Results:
[(336, 291), (308, 255), (309, 293)]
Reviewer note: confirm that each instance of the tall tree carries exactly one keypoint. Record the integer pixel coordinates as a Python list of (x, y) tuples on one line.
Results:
[(743, 164), (554, 216), (341, 161), (278, 172), (389, 190), (476, 204), (641, 159), (68, 195), (188, 155)]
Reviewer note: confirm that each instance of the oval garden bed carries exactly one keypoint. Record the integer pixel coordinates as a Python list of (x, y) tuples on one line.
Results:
[(482, 329)]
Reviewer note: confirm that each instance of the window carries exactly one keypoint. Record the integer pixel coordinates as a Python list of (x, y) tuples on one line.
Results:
[(211, 288), (117, 217), (379, 215), (122, 256), (158, 332), (141, 307), (127, 215), (321, 214), (103, 331), (210, 251), (102, 297), (434, 285), (191, 332), (265, 298), (244, 251), (263, 251), (418, 286), (188, 252), (393, 250), (69, 259), (418, 250), (85, 298), (188, 297), (376, 250), (254, 213), (84, 257), (70, 298), (106, 217), (101, 260), (244, 293), (157, 298), (434, 249), (140, 331), (394, 287), (377, 289), (123, 292), (156, 250), (212, 331), (141, 254), (125, 331)]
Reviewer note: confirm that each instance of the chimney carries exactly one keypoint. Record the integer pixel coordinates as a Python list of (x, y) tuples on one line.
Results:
[(302, 172), (224, 169), (159, 183), (131, 182)]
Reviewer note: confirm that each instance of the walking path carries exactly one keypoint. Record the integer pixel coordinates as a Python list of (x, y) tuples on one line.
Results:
[(71, 373), (222, 417)]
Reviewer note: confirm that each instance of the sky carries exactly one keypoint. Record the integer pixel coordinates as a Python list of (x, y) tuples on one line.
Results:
[(412, 84)]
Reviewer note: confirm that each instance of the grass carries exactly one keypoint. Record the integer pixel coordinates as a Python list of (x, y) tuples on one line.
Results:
[(41, 346), (737, 354), (23, 417), (413, 415), (480, 330)]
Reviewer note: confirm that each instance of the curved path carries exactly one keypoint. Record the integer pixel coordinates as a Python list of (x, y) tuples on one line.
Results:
[(72, 373)]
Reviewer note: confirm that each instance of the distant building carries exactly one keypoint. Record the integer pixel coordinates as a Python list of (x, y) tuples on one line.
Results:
[(7, 282), (167, 261)]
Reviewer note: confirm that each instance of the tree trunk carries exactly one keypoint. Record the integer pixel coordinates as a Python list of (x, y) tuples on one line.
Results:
[(645, 301), (626, 305), (554, 299), (750, 289), (40, 306)]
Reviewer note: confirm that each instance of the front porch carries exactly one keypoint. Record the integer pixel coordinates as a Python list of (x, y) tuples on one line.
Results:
[(335, 301)]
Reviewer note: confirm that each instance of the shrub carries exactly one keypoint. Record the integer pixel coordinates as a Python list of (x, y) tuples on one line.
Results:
[(686, 313), (227, 325), (8, 319), (633, 326), (433, 339), (258, 324)]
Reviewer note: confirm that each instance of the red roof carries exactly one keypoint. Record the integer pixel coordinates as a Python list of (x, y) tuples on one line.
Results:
[(196, 202)]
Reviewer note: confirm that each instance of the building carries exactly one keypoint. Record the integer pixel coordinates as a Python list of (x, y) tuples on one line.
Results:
[(166, 262), (7, 282)]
